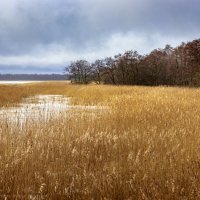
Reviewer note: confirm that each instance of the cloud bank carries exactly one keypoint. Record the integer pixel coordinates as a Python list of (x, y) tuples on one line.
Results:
[(44, 36)]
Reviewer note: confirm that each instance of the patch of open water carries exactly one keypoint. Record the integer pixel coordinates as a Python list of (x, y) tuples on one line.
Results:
[(41, 108), (17, 82)]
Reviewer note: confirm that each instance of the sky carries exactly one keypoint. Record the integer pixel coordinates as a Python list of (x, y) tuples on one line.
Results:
[(44, 36)]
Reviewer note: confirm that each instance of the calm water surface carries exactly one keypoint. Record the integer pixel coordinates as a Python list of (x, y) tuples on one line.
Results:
[(41, 108), (17, 82)]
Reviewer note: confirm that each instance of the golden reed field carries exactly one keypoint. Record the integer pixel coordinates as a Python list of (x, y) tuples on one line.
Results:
[(144, 145)]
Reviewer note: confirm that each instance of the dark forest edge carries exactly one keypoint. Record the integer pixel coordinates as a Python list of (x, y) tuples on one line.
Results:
[(178, 66)]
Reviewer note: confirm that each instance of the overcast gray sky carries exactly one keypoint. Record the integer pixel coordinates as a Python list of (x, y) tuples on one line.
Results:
[(43, 36)]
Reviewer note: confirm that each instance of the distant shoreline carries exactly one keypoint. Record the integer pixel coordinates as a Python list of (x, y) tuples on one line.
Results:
[(33, 77), (16, 82)]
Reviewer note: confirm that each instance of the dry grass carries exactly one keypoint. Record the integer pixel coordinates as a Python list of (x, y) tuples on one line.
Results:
[(147, 146)]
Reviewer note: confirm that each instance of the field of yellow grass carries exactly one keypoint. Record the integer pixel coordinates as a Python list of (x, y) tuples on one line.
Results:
[(146, 145)]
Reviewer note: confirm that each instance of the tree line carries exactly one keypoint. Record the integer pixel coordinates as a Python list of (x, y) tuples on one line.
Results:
[(168, 66)]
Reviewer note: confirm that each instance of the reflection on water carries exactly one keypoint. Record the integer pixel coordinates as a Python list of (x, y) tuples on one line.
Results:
[(40, 108), (17, 82)]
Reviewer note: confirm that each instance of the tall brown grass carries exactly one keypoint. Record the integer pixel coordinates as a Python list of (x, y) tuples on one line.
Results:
[(146, 146)]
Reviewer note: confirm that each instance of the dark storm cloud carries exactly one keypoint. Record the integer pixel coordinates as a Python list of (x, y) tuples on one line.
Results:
[(52, 33), (29, 24), (171, 17)]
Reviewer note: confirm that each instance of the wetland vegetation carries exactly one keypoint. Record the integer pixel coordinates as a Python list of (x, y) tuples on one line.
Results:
[(144, 145)]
